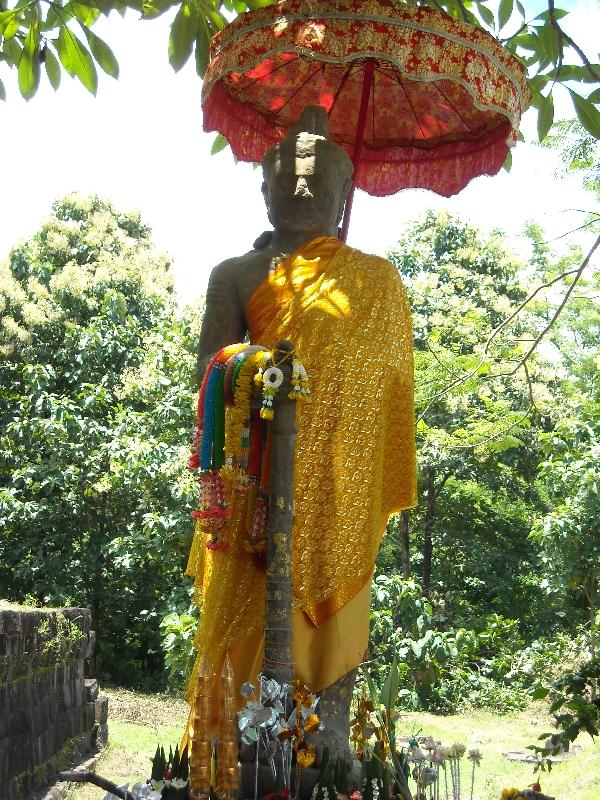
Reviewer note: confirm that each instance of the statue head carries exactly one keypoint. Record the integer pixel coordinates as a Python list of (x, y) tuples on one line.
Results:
[(307, 177)]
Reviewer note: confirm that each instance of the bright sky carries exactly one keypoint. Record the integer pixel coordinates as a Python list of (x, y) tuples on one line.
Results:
[(140, 143)]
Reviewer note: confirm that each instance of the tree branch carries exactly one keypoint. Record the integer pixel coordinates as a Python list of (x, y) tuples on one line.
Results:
[(91, 777), (562, 36), (578, 274), (465, 376)]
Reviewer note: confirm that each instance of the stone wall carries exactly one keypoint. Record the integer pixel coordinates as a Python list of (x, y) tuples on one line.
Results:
[(48, 711)]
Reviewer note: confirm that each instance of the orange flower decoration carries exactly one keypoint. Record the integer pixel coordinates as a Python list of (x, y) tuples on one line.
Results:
[(306, 757), (311, 724)]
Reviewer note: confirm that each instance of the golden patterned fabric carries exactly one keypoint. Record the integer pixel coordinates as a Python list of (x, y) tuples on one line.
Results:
[(348, 316)]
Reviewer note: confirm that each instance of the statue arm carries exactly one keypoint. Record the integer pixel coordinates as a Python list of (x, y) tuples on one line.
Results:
[(224, 321)]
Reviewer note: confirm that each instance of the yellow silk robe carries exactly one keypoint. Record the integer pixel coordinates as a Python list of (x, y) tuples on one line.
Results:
[(348, 316)]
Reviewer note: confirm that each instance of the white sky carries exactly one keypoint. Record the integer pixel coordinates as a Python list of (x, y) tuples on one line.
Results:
[(140, 143)]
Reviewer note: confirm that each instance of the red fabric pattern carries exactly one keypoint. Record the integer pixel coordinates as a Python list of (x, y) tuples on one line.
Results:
[(445, 103)]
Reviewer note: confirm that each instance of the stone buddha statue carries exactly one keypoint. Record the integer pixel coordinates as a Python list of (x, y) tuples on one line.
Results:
[(306, 181), (348, 317)]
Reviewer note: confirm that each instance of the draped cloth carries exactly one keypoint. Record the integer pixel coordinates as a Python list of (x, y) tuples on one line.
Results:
[(349, 319)]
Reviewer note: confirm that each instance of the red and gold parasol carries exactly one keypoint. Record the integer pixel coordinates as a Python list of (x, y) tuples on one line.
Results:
[(416, 97)]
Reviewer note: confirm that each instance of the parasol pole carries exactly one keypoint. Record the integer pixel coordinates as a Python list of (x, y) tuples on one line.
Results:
[(360, 135)]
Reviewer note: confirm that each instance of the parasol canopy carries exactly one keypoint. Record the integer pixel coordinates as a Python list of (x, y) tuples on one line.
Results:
[(416, 97)]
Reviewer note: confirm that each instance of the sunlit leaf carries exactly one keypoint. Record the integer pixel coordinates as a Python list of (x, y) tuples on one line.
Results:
[(389, 692), (558, 14), (486, 15), (202, 51), (12, 52), (545, 117), (87, 15), (76, 59), (154, 8), (575, 72), (549, 40), (220, 143), (183, 35), (29, 63), (52, 69), (505, 10), (103, 54), (587, 113), (2, 91)]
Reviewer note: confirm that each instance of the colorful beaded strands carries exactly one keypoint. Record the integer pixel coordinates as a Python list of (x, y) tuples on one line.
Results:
[(213, 510), (231, 446)]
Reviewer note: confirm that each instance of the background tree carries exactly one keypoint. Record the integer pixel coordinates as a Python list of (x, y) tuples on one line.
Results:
[(96, 385), (57, 35), (475, 475)]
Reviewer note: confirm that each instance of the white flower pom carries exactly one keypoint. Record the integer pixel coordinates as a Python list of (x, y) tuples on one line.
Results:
[(273, 377)]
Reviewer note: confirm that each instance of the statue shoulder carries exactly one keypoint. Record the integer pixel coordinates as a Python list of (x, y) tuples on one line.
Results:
[(378, 267)]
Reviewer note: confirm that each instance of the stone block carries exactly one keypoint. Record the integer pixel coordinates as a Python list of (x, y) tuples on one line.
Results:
[(89, 716), (101, 739), (101, 704), (91, 642), (91, 689)]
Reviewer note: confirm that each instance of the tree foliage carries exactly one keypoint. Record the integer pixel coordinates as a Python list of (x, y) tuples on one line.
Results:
[(95, 414), (474, 415), (54, 35)]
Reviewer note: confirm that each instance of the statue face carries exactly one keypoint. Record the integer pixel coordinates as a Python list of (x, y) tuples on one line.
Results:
[(304, 187)]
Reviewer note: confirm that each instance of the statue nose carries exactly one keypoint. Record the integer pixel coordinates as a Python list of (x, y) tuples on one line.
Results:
[(302, 189)]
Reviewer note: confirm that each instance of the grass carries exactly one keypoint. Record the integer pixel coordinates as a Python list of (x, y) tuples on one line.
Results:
[(576, 778), (138, 722)]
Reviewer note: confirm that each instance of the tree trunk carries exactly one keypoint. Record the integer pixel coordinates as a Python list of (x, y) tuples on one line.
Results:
[(430, 497), (405, 543)]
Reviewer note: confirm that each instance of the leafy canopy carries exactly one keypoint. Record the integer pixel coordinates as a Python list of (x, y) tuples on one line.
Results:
[(96, 388)]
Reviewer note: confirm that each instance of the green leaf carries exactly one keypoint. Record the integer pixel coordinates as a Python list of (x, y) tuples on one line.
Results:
[(549, 40), (558, 14), (154, 8), (103, 54), (508, 161), (520, 8), (86, 14), (540, 692), (29, 63), (12, 26), (389, 692), (52, 69), (537, 83), (587, 113), (76, 59), (505, 10), (486, 15), (220, 143), (416, 648), (2, 91), (574, 72), (545, 117), (12, 52), (202, 45), (183, 35), (594, 97), (52, 21), (528, 41)]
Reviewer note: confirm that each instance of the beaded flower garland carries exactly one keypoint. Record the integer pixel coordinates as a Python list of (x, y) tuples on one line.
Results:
[(231, 445)]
